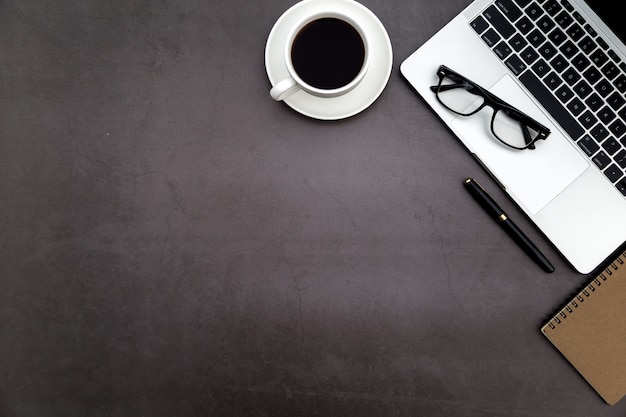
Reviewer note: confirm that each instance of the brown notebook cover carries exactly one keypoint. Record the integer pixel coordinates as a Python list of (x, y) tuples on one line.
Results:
[(590, 331)]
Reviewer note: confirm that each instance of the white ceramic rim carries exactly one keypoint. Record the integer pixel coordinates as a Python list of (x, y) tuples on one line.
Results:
[(321, 92)]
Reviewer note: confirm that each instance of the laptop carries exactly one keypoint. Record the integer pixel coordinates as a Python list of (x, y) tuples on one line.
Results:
[(563, 63)]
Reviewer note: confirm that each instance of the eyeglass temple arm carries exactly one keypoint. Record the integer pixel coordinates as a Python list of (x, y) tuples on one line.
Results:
[(527, 121), (447, 87), (527, 139)]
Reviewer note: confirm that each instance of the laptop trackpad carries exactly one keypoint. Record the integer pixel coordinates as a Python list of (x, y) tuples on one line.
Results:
[(534, 177)]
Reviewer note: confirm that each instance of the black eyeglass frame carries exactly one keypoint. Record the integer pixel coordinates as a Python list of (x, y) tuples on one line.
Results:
[(491, 100)]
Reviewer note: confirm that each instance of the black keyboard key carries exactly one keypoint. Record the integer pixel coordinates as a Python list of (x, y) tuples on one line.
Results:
[(568, 49), (580, 62), (553, 81), (587, 45), (524, 25), (576, 106), (547, 51), (563, 19), (592, 75), (579, 18), (583, 89), (604, 88), (602, 43), (497, 19), (616, 101), (599, 58), (613, 173), (529, 55), (611, 146), (618, 128), (516, 65), (536, 38), (479, 25), (606, 115), (541, 68), (502, 50), (610, 70), (614, 56), (491, 38), (575, 32), (557, 36), (554, 107), (599, 133), (620, 83), (552, 7), (568, 6), (594, 102), (518, 42), (601, 160), (559, 63), (546, 24), (534, 11), (620, 158), (564, 94), (587, 120), (571, 76), (509, 9), (591, 30), (588, 145)]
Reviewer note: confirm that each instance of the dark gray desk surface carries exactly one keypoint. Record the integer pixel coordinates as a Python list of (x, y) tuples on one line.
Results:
[(175, 243)]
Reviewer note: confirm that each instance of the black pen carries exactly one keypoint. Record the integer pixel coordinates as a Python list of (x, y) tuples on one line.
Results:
[(492, 208)]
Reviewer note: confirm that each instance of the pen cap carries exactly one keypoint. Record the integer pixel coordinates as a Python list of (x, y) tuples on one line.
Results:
[(484, 199)]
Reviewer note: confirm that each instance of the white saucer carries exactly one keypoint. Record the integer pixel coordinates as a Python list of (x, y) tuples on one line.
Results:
[(360, 97)]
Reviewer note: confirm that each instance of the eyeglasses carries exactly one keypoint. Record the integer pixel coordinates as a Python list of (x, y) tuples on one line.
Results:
[(509, 125)]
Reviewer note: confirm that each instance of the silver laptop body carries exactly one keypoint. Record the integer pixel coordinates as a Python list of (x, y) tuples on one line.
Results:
[(558, 185)]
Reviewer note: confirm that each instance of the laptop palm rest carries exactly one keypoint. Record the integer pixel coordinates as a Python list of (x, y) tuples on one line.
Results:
[(522, 173)]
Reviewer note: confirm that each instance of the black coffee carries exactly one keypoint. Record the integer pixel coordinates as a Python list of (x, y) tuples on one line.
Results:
[(328, 53)]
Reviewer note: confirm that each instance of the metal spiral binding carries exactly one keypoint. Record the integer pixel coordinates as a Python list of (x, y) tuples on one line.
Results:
[(586, 292)]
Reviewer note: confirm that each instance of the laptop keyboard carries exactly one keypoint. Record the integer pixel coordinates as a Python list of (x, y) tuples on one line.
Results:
[(569, 69)]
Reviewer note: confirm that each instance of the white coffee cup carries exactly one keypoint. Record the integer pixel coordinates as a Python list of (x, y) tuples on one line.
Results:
[(309, 56)]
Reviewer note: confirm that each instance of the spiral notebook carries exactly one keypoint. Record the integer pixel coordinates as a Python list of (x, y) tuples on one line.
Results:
[(590, 331)]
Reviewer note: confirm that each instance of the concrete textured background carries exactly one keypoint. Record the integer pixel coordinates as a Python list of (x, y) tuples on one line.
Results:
[(175, 243)]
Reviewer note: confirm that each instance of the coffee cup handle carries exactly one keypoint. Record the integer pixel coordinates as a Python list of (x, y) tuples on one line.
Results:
[(284, 89)]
